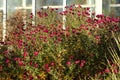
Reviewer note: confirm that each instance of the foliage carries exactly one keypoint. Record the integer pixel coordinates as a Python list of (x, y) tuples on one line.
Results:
[(47, 51)]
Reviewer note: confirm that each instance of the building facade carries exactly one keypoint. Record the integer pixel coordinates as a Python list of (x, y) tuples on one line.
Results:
[(8, 7)]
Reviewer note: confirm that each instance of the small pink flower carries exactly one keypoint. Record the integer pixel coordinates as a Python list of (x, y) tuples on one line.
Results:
[(51, 9), (71, 57), (52, 63), (64, 12), (113, 65), (45, 14), (59, 39), (74, 31), (6, 52), (100, 16), (30, 77), (35, 65), (78, 61), (1, 68), (89, 33), (20, 46), (45, 30), (66, 6), (36, 53), (70, 8), (93, 13), (46, 65), (47, 68), (39, 14), (67, 34), (100, 73), (44, 37), (50, 35), (61, 13), (86, 28), (31, 15), (18, 59), (24, 76), (7, 60), (20, 63), (31, 63), (68, 63), (45, 40), (25, 54), (100, 21), (83, 61), (97, 37), (107, 70), (38, 77), (78, 13), (115, 71), (82, 64), (87, 8)]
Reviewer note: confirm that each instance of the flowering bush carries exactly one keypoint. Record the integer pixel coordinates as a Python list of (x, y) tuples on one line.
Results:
[(46, 51)]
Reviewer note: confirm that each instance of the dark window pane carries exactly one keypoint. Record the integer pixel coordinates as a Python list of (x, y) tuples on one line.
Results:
[(1, 31), (1, 16), (49, 2), (106, 7), (12, 5), (115, 1), (69, 2), (29, 2), (1, 24), (1, 3), (115, 11)]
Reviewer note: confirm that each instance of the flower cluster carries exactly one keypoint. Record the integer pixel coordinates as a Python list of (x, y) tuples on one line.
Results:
[(45, 50)]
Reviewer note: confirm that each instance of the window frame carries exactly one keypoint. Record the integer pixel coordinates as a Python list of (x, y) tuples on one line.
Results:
[(97, 5)]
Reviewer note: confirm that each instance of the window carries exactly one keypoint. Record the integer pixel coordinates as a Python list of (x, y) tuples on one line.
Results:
[(28, 2), (69, 2), (12, 6), (1, 11), (1, 3), (114, 8), (111, 7), (49, 2), (115, 1), (1, 16), (1, 20), (115, 11), (8, 7)]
